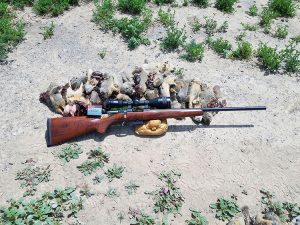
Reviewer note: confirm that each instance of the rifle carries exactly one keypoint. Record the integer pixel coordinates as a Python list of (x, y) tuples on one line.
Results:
[(60, 130)]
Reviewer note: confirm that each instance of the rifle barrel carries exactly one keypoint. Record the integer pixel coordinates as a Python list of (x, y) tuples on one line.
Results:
[(249, 108)]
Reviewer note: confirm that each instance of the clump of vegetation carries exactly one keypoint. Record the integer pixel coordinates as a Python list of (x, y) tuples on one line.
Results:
[(132, 6), (220, 46), (88, 167), (99, 156), (131, 187), (85, 191), (225, 208), (175, 38), (284, 8), (193, 51), (197, 218), (290, 56), (196, 25), (12, 31), (161, 2), (211, 26), (286, 210), (102, 53), (53, 7), (142, 219), (296, 39), (269, 57), (51, 208), (168, 199), (48, 31), (115, 172), (240, 37), (266, 17), (103, 14), (112, 193), (248, 26), (253, 10), (201, 3), (98, 179), (69, 152), (225, 5), (244, 51), (166, 17), (281, 31), (31, 177), (179, 72), (19, 3)]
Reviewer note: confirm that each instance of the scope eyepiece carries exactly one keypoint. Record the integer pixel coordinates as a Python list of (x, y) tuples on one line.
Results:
[(159, 103)]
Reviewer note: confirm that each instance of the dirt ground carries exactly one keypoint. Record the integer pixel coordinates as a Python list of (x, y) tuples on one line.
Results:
[(240, 151)]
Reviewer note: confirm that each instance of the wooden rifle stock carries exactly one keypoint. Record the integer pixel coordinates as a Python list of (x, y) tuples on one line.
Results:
[(60, 130)]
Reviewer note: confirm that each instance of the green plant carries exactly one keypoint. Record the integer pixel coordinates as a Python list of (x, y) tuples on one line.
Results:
[(166, 17), (225, 5), (220, 46), (160, 2), (168, 199), (296, 38), (197, 218), (115, 172), (131, 187), (69, 152), (253, 11), (240, 37), (285, 8), (88, 167), (85, 191), (103, 14), (102, 53), (281, 31), (112, 193), (211, 26), (98, 179), (185, 3), (201, 3), (175, 38), (194, 51), (99, 155), (142, 219), (49, 209), (53, 7), (11, 30), (225, 208), (248, 26), (223, 28), (132, 6), (244, 51), (19, 3), (48, 31), (31, 177), (196, 25), (266, 17), (269, 57), (290, 56)]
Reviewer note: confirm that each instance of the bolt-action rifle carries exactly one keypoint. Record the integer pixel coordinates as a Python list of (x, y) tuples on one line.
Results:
[(60, 130)]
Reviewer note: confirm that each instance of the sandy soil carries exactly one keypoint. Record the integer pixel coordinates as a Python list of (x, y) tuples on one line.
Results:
[(239, 151)]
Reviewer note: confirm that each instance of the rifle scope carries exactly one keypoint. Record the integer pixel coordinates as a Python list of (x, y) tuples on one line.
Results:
[(159, 103)]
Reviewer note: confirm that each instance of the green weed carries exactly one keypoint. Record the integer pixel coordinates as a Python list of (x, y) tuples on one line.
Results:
[(291, 58), (248, 26), (132, 6), (269, 57), (11, 31), (88, 167), (115, 172), (220, 46), (112, 193), (98, 179), (225, 208), (284, 8), (102, 53), (49, 209), (185, 3), (197, 218), (253, 10), (211, 26), (131, 187), (19, 3), (266, 17), (99, 156), (166, 17), (103, 14), (281, 31), (240, 37), (175, 38), (53, 7), (225, 5), (85, 191), (179, 72), (31, 177), (196, 25), (201, 3), (244, 51), (161, 2), (69, 152), (142, 219), (296, 38), (168, 199), (194, 51)]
